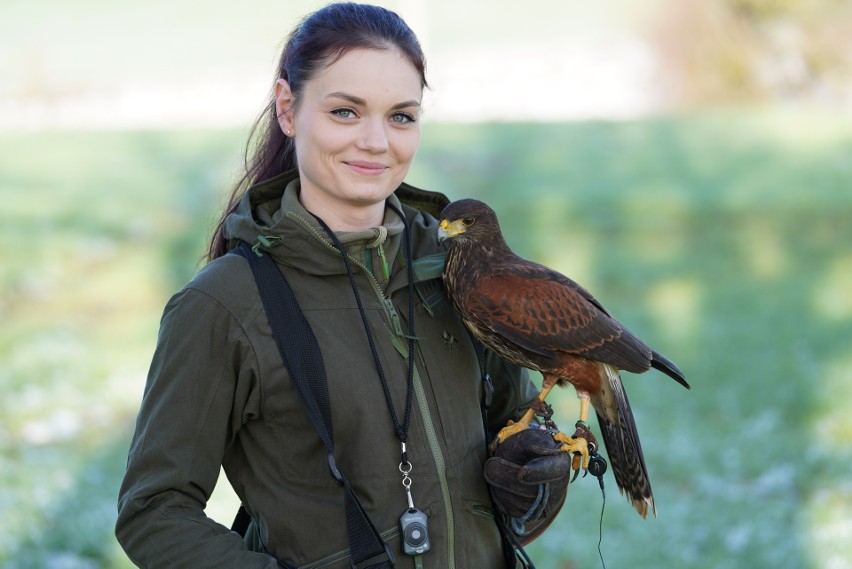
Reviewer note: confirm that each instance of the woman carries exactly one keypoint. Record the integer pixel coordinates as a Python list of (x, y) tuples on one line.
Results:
[(339, 138)]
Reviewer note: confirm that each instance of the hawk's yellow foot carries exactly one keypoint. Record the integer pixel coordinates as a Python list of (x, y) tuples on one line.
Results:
[(577, 446), (513, 428)]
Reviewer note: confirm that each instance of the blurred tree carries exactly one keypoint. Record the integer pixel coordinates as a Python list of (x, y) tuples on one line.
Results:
[(733, 51)]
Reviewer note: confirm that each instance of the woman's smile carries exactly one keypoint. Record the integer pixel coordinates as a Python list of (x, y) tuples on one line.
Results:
[(366, 168)]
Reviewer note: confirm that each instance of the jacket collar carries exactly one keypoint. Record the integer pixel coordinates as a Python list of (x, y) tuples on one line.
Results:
[(271, 217)]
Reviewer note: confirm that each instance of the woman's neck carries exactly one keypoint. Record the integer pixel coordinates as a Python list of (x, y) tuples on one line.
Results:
[(346, 217)]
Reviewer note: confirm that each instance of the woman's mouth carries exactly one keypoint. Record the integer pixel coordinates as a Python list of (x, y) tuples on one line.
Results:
[(367, 168)]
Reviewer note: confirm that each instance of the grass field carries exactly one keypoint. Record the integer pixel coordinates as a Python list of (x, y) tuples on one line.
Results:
[(723, 238)]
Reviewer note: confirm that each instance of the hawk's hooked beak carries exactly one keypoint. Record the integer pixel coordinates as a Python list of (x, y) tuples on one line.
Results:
[(449, 229)]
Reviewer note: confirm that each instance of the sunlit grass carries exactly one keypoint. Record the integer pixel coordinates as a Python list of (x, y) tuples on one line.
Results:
[(723, 239), (833, 422), (832, 300)]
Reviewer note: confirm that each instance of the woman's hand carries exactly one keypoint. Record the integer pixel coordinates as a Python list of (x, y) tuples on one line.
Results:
[(529, 478)]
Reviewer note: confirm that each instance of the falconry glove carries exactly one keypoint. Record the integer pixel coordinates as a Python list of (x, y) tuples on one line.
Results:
[(529, 477)]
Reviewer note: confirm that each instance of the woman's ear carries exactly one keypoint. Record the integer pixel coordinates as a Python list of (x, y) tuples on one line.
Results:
[(284, 107)]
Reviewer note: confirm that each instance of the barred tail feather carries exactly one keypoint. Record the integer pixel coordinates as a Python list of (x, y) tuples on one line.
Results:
[(622, 444)]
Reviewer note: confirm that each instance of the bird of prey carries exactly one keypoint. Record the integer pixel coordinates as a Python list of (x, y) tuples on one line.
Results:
[(540, 319)]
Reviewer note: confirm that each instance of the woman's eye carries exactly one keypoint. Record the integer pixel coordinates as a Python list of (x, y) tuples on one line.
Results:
[(402, 118), (344, 113)]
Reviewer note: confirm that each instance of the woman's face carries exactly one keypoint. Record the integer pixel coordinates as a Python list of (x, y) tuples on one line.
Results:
[(356, 129)]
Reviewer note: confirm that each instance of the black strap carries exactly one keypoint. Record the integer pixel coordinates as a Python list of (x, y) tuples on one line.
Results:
[(301, 355), (241, 521)]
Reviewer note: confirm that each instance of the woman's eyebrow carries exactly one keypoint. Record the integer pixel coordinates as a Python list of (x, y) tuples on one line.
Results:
[(403, 105), (359, 101)]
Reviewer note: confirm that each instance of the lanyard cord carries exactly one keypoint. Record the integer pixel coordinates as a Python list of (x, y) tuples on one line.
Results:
[(401, 428)]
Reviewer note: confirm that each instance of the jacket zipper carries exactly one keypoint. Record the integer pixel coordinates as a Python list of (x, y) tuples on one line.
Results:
[(420, 393), (432, 436)]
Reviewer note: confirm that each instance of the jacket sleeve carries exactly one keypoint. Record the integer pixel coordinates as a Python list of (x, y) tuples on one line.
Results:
[(194, 402), (513, 391), (513, 394)]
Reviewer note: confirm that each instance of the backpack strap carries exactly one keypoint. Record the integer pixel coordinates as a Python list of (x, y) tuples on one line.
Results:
[(300, 353), (241, 521)]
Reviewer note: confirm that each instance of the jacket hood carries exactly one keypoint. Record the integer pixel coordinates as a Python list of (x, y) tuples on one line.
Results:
[(271, 217)]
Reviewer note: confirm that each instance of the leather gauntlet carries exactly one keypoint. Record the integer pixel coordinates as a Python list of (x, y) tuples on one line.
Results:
[(529, 478)]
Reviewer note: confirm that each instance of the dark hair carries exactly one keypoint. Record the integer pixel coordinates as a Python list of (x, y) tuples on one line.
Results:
[(319, 40)]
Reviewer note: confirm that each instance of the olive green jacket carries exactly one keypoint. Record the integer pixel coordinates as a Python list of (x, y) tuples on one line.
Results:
[(218, 394)]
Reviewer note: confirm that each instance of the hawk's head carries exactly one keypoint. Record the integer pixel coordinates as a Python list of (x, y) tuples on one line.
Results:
[(469, 219)]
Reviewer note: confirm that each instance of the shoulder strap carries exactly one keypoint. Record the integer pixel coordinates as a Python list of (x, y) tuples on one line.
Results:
[(301, 355)]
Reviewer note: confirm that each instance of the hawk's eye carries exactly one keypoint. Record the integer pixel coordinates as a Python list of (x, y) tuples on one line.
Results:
[(468, 221)]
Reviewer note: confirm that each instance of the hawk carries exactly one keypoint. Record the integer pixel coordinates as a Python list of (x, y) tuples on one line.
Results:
[(540, 319)]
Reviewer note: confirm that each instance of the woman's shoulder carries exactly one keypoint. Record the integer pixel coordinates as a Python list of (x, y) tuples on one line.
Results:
[(422, 209), (229, 283), (222, 275), (427, 202)]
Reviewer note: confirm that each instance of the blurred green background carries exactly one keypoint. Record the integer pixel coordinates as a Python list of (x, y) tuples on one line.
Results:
[(690, 162)]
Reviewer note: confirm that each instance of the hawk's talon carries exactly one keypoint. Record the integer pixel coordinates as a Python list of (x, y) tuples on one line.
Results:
[(576, 474), (578, 446), (512, 428)]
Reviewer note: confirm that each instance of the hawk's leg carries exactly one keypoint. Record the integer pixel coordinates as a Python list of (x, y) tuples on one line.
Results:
[(523, 424), (575, 445), (513, 428), (578, 445)]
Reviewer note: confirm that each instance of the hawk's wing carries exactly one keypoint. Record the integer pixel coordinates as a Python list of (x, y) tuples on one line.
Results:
[(545, 312)]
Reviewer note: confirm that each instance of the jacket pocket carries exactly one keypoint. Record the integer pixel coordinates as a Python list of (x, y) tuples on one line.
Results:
[(480, 509), (336, 559)]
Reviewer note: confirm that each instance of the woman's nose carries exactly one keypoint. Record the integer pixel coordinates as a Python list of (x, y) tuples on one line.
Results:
[(373, 136)]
